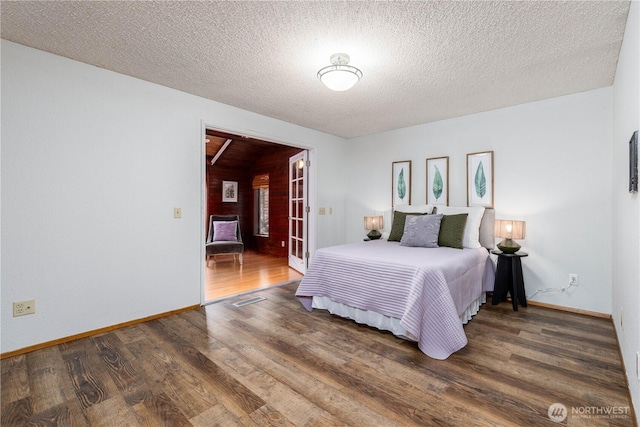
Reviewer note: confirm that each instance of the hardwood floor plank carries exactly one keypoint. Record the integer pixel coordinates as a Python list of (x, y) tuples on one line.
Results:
[(15, 379), (219, 416), (267, 416), (295, 408), (131, 334), (112, 352), (231, 393), (514, 410), (86, 382), (58, 415), (163, 410), (16, 412), (46, 378), (178, 380), (602, 392), (112, 412)]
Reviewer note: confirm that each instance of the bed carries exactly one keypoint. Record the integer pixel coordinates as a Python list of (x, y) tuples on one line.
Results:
[(423, 294)]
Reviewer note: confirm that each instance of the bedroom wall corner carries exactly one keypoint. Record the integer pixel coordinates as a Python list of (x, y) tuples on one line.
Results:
[(626, 206)]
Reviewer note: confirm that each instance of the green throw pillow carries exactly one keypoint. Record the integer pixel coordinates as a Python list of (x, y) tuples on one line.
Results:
[(397, 228), (452, 230)]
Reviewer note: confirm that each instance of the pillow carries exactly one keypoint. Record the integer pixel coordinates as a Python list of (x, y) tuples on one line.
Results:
[(471, 238), (225, 231), (452, 230), (421, 231), (397, 227), (424, 209)]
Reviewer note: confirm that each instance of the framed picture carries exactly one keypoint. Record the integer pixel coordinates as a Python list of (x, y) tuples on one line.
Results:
[(229, 191), (438, 181), (633, 163), (480, 179), (401, 183)]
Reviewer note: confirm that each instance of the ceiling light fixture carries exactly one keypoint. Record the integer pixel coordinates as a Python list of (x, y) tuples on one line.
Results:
[(339, 76)]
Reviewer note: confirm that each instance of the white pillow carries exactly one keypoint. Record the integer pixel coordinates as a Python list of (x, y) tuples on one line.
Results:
[(414, 208), (471, 238)]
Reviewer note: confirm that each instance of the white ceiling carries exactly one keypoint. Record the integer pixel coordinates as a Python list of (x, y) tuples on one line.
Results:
[(422, 61)]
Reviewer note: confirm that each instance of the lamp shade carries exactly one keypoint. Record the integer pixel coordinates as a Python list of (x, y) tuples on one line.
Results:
[(339, 76), (373, 222), (509, 229)]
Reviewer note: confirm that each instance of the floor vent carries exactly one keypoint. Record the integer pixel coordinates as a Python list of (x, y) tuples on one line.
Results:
[(248, 301)]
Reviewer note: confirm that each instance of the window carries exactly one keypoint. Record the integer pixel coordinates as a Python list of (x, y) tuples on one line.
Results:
[(261, 205)]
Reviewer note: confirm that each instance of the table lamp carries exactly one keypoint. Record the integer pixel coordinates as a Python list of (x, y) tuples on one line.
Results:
[(373, 223), (508, 230)]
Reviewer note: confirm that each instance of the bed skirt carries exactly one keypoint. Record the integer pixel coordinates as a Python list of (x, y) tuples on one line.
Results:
[(386, 323)]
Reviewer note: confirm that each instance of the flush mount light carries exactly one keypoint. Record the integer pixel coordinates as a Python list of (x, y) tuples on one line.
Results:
[(339, 76)]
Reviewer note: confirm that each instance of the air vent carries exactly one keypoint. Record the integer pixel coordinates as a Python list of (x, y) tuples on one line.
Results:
[(248, 301)]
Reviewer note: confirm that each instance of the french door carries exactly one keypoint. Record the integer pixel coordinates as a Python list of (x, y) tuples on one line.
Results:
[(298, 211)]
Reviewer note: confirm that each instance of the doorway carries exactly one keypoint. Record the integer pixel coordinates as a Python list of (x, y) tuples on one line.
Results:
[(239, 159)]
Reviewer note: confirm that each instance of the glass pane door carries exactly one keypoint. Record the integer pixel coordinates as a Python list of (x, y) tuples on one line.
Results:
[(298, 212)]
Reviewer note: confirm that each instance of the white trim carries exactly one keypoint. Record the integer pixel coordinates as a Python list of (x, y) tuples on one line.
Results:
[(203, 204)]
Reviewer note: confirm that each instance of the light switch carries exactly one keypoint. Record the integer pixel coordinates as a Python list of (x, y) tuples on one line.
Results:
[(320, 211), (177, 212)]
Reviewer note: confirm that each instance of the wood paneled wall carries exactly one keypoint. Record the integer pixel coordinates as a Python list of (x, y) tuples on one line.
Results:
[(243, 207), (276, 163)]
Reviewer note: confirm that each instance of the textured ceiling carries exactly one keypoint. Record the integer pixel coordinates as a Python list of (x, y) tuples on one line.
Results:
[(422, 61)]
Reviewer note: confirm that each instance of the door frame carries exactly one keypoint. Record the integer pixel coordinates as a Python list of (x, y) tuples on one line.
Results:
[(279, 140)]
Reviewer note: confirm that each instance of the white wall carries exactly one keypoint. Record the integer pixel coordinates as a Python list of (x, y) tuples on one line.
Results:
[(93, 163), (552, 169), (626, 206)]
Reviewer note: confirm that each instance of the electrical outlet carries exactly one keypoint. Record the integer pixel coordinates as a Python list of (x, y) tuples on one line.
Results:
[(282, 243), (573, 279), (21, 308), (638, 365), (622, 318)]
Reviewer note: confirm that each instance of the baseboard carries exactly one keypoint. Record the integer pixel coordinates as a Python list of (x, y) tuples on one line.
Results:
[(94, 332), (569, 309)]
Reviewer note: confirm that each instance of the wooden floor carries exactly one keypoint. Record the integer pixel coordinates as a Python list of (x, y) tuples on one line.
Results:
[(227, 276), (273, 363)]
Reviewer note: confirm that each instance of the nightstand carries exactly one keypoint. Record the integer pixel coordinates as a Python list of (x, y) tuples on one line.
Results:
[(509, 279)]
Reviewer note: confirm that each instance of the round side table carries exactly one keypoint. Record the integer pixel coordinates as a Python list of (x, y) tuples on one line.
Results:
[(509, 279)]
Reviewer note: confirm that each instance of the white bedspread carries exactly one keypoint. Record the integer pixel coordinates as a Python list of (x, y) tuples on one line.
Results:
[(427, 289)]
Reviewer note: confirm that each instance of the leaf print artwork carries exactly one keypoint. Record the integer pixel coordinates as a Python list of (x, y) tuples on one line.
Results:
[(437, 183), (480, 181), (402, 186)]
